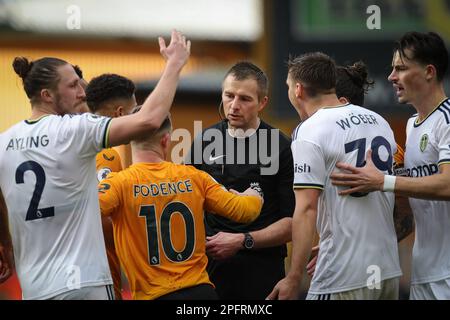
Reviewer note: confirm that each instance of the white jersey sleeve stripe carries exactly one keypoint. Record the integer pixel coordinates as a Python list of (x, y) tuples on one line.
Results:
[(307, 186)]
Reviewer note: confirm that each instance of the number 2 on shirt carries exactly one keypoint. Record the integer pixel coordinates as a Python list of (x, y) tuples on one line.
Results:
[(33, 212)]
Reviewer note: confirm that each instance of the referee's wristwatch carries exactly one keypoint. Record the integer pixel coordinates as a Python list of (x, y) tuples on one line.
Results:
[(249, 242)]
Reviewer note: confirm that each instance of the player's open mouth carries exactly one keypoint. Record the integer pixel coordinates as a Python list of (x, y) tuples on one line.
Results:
[(398, 90)]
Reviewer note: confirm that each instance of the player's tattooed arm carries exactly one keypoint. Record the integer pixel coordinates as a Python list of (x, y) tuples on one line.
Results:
[(403, 218)]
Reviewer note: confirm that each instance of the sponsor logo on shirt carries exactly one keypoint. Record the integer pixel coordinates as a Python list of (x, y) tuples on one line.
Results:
[(423, 171), (108, 159), (302, 168)]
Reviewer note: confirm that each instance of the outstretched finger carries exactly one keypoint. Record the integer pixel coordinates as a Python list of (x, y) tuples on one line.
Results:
[(312, 263), (347, 167), (310, 269), (162, 44), (209, 245), (347, 192), (369, 156), (209, 238), (176, 36), (343, 177), (189, 46), (345, 182), (273, 295)]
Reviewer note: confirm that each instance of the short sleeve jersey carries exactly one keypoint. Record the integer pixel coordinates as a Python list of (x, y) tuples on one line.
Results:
[(48, 179), (427, 148), (107, 161), (356, 232), (157, 211)]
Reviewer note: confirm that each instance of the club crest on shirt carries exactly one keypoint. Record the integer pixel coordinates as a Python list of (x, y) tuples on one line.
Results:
[(255, 186), (103, 173), (424, 142)]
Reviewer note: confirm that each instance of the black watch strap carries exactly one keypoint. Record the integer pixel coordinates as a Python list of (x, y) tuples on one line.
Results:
[(249, 242)]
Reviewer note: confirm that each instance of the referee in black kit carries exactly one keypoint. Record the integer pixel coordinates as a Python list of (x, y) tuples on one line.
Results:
[(247, 260)]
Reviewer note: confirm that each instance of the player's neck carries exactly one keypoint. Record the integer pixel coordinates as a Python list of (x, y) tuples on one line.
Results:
[(39, 110), (427, 103), (315, 104), (148, 156)]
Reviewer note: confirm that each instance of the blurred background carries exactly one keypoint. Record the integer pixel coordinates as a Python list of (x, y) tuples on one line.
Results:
[(117, 36)]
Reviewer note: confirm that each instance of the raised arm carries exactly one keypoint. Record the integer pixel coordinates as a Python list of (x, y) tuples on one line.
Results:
[(157, 105)]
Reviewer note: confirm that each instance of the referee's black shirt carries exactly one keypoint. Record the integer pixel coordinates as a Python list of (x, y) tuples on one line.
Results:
[(279, 201)]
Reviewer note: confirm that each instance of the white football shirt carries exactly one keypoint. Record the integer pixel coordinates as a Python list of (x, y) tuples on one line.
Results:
[(358, 244), (49, 182), (427, 147)]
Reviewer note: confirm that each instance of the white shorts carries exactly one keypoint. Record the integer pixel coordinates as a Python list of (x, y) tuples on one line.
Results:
[(388, 291), (87, 293), (439, 290)]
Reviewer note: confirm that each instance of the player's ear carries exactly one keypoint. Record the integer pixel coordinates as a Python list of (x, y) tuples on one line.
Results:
[(263, 103), (46, 96), (119, 111), (343, 100), (430, 72), (165, 140), (299, 90)]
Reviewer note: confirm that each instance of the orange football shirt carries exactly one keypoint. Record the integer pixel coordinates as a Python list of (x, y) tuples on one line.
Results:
[(107, 161), (157, 211)]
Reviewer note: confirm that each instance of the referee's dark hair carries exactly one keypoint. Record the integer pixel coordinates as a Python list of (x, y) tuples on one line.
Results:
[(244, 70), (426, 49), (352, 82), (316, 71), (107, 87)]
